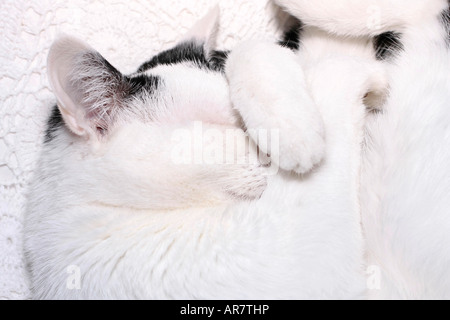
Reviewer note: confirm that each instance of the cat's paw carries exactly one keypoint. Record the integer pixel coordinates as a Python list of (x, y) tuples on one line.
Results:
[(299, 150), (239, 172), (268, 89), (297, 144), (246, 182)]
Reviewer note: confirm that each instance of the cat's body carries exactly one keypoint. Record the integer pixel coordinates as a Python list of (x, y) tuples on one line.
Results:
[(405, 177), (132, 224), (406, 172)]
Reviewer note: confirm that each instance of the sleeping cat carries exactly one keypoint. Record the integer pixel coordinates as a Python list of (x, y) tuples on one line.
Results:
[(112, 215)]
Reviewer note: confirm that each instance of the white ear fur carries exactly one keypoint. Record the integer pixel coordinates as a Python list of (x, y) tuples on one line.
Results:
[(88, 88), (206, 29)]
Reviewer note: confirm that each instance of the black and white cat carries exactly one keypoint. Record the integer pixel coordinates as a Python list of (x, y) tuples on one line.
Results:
[(114, 213)]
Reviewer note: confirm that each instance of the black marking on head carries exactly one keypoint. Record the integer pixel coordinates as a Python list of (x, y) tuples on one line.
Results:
[(185, 52), (445, 19), (55, 121), (217, 60), (142, 83), (291, 38), (387, 45), (123, 86)]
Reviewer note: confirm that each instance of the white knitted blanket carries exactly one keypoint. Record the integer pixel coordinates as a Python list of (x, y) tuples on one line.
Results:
[(127, 33)]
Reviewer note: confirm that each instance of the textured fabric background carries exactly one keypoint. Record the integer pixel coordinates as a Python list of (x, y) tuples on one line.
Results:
[(126, 32)]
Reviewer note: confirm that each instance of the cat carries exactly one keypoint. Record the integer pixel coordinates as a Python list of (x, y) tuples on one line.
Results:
[(405, 173), (112, 214)]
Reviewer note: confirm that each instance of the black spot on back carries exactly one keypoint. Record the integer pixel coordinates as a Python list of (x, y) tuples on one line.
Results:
[(55, 121), (387, 45), (291, 38), (187, 52)]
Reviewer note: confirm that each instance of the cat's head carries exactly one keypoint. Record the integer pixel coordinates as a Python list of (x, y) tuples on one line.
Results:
[(177, 85), (153, 126)]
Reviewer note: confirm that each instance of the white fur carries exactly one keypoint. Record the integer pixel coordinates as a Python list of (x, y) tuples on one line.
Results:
[(406, 172), (363, 17), (405, 176)]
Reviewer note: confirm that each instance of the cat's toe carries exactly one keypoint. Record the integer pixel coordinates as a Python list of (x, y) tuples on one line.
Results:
[(249, 184), (300, 152)]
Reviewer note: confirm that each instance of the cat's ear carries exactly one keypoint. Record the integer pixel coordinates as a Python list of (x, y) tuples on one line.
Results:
[(89, 90), (205, 30)]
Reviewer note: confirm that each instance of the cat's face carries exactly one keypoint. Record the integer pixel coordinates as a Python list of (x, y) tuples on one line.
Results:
[(157, 123)]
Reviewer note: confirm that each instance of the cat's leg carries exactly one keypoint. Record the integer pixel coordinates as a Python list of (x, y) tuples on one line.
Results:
[(329, 197), (362, 17), (268, 89)]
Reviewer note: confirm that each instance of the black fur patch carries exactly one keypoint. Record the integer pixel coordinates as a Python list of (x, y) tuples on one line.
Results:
[(55, 121), (445, 18), (141, 83), (217, 60), (387, 45), (187, 52), (291, 38)]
